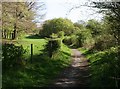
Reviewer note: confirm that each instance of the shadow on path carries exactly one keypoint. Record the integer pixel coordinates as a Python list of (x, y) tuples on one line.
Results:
[(76, 75)]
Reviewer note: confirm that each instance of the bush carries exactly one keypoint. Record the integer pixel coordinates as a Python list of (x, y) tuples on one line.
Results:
[(12, 55), (72, 41), (67, 40), (52, 46), (55, 26), (85, 38), (105, 68), (104, 42)]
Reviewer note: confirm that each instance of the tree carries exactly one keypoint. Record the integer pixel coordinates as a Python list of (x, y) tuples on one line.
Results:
[(112, 28), (56, 25), (112, 18), (80, 26), (53, 45), (21, 16), (18, 14), (94, 26)]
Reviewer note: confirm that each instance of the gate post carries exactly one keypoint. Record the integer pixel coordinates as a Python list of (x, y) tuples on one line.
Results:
[(31, 53)]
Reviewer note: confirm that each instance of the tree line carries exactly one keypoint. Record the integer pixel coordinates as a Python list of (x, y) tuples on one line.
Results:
[(18, 18), (97, 34)]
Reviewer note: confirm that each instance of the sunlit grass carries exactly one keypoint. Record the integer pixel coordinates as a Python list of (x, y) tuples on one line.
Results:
[(42, 71), (38, 44)]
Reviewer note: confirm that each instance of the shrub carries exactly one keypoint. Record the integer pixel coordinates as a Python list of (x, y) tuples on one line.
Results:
[(67, 40), (55, 26), (12, 55), (105, 68), (72, 41), (52, 46), (85, 38), (104, 42)]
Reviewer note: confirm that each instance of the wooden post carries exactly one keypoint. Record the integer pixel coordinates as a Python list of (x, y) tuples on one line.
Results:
[(31, 52)]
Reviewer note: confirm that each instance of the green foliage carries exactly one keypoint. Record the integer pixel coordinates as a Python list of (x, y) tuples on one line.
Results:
[(80, 26), (86, 38), (20, 19), (112, 27), (12, 55), (80, 38), (67, 40), (111, 19), (55, 26), (61, 34), (52, 46), (94, 26), (102, 33), (103, 54), (43, 69), (104, 42), (74, 40), (104, 67), (71, 41)]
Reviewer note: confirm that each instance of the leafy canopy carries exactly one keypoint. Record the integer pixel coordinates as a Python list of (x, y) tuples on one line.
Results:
[(56, 25)]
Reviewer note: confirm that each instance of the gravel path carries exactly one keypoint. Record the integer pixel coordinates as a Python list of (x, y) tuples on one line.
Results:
[(77, 74)]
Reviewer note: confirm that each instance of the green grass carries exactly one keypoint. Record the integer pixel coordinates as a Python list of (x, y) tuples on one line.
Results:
[(42, 71), (104, 65), (38, 44)]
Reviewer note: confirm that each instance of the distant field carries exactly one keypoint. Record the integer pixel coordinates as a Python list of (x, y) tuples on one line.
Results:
[(26, 41), (38, 44)]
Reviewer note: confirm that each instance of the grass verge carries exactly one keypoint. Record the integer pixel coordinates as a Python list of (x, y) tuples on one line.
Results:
[(42, 71), (105, 68)]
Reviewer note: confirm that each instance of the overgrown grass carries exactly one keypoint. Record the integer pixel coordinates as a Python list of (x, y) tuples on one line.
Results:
[(104, 67), (42, 71)]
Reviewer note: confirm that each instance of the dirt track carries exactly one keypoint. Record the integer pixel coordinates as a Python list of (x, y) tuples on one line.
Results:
[(77, 74)]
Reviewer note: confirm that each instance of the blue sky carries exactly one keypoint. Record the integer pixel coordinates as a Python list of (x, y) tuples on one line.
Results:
[(60, 8)]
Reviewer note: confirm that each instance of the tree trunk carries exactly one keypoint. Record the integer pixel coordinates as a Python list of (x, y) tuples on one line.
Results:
[(5, 34), (2, 34), (14, 34)]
